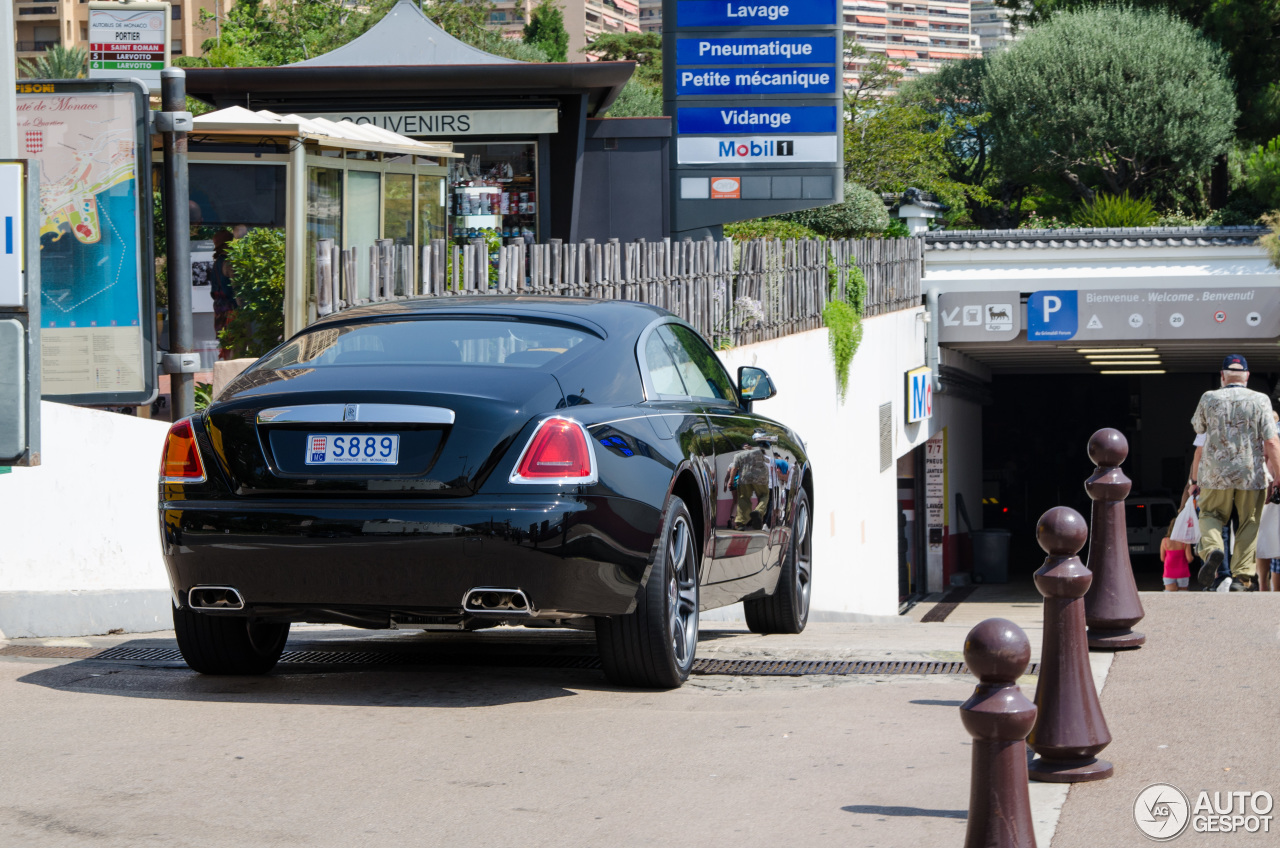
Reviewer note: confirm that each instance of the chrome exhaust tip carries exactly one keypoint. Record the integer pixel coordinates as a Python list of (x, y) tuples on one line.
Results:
[(487, 600), (215, 598)]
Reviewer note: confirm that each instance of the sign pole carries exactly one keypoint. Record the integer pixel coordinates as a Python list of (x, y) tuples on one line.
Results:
[(8, 99), (177, 219)]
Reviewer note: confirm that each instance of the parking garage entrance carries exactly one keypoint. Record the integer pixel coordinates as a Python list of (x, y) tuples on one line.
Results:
[(1056, 336)]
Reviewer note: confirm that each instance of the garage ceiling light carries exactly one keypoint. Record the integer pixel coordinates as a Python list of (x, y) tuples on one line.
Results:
[(1109, 362), (1115, 350), (1096, 356), (1160, 371)]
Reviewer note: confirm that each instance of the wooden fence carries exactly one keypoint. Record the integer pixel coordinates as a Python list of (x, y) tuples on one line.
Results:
[(732, 292)]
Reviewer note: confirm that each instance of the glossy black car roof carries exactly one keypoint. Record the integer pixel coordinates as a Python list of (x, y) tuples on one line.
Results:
[(610, 375), (620, 317)]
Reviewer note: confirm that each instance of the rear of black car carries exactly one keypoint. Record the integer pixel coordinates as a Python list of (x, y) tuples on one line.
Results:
[(402, 470)]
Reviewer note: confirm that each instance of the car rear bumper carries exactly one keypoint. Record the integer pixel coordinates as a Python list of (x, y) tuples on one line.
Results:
[(573, 556)]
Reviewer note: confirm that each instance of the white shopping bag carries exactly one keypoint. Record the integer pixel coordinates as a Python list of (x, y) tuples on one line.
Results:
[(1187, 528), (1269, 532)]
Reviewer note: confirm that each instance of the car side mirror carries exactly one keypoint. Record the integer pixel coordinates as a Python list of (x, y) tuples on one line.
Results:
[(754, 384)]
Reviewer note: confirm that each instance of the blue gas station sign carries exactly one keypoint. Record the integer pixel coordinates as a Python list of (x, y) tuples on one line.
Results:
[(704, 82), (764, 51), (743, 13), (757, 119), (756, 88)]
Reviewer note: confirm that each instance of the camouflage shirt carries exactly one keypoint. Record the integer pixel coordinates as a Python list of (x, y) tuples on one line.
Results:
[(1235, 422)]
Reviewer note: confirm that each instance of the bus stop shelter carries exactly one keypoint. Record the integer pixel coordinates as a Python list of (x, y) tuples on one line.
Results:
[(357, 203)]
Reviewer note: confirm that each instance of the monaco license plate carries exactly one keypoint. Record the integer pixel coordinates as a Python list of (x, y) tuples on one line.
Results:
[(364, 449)]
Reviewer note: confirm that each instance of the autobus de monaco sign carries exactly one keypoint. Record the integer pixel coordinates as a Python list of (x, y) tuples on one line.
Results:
[(129, 40), (756, 90)]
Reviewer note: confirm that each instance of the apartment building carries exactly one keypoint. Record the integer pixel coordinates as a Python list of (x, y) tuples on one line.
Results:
[(583, 19), (41, 24), (992, 25), (651, 15), (918, 36)]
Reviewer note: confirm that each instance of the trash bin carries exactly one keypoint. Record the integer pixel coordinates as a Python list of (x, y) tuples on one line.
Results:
[(991, 556)]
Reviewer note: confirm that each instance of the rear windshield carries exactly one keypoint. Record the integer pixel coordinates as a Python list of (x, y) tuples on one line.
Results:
[(459, 341)]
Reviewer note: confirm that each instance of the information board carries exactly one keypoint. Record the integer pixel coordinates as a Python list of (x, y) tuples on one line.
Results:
[(129, 41), (97, 274), (756, 94)]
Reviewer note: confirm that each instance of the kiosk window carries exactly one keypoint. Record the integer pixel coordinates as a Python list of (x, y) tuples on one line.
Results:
[(494, 190), (362, 221)]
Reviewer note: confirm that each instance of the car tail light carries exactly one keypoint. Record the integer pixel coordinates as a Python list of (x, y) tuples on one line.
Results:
[(559, 451), (181, 462)]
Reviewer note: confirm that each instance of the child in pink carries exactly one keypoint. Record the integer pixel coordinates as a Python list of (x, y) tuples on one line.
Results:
[(1177, 562)]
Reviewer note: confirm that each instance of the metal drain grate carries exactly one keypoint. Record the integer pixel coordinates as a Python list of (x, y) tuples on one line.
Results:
[(734, 667)]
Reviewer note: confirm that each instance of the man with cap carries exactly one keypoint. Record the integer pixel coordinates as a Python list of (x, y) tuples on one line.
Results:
[(1235, 436)]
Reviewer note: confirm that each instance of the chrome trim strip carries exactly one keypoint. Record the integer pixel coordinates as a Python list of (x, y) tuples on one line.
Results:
[(365, 413)]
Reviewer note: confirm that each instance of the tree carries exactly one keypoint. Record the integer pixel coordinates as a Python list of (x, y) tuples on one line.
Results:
[(58, 62), (861, 213), (636, 100), (897, 145), (953, 96), (1077, 97), (545, 30), (642, 96), (1247, 30), (877, 76), (256, 32), (643, 48)]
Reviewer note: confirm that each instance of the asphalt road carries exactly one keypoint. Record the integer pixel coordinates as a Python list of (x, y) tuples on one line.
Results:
[(135, 754), (112, 753)]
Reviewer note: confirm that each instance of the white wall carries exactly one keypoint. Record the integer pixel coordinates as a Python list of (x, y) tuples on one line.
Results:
[(81, 550), (855, 511)]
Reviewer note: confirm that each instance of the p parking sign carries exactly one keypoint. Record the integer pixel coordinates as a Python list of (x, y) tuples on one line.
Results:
[(1052, 316)]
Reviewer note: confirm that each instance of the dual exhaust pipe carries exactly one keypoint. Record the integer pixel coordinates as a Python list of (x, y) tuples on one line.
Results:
[(489, 601), (215, 598), (484, 600)]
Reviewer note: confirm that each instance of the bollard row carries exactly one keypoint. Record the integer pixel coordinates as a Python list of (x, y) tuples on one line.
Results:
[(1112, 605)]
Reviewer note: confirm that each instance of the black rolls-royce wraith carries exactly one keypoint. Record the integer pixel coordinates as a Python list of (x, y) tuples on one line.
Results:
[(457, 463)]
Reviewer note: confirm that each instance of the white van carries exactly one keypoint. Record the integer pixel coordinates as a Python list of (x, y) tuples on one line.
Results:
[(1148, 520)]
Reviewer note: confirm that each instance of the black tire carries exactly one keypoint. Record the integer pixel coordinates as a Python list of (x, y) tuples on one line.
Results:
[(654, 645), (787, 609), (219, 644)]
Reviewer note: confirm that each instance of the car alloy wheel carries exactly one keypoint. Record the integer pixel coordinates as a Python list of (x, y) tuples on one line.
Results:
[(787, 609), (654, 645), (682, 593)]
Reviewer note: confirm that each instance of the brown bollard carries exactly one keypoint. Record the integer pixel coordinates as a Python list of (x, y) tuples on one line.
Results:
[(998, 717), (1111, 606), (1070, 729)]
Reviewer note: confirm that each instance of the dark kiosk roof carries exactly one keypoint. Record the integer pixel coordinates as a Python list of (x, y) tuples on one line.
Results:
[(405, 56)]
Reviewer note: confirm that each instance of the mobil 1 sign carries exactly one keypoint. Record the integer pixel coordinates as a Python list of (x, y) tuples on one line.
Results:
[(736, 13), (755, 90)]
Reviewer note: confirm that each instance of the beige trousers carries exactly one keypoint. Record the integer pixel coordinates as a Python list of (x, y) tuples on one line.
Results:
[(1215, 511)]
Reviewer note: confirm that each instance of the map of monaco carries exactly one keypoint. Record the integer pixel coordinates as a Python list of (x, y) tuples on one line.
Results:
[(88, 204), (90, 257)]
